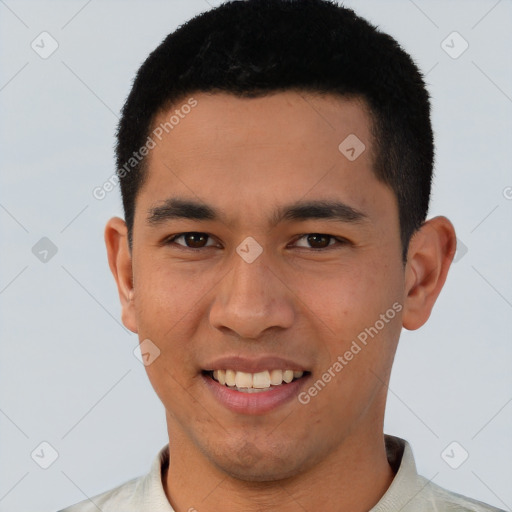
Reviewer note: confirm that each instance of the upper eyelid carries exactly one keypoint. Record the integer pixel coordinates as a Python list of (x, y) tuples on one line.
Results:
[(172, 238), (340, 239)]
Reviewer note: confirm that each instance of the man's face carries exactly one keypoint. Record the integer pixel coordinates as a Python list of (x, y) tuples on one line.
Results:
[(210, 301)]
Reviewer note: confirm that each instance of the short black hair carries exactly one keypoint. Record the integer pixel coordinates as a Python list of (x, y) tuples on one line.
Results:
[(252, 48)]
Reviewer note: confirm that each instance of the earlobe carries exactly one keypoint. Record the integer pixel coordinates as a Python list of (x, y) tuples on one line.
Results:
[(120, 263), (431, 251)]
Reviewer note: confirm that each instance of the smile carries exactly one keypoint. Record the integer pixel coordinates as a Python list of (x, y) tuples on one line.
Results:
[(254, 393), (246, 382)]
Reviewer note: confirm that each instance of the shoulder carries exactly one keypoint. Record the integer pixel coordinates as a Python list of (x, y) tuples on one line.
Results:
[(145, 493), (411, 492), (435, 497), (124, 497)]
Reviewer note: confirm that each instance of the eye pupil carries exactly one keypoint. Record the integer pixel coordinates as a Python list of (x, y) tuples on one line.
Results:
[(314, 238), (194, 239)]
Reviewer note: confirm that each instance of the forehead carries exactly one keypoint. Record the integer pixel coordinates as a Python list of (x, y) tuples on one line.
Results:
[(247, 152), (278, 119)]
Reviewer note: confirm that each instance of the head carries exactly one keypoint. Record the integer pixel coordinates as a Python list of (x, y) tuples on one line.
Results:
[(296, 133), (306, 45)]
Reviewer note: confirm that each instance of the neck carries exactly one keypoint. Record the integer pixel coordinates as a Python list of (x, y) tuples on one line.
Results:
[(354, 477)]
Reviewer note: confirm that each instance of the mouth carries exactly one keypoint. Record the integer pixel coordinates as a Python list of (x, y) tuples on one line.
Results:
[(259, 382), (254, 386)]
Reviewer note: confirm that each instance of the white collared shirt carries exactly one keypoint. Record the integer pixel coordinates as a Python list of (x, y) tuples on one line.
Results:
[(408, 492)]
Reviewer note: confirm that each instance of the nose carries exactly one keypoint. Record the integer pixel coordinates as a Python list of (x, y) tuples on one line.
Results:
[(252, 299)]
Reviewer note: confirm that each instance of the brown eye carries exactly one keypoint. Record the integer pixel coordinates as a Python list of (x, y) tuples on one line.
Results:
[(193, 240), (317, 240)]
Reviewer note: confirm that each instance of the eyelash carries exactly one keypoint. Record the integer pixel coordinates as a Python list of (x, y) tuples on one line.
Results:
[(171, 241)]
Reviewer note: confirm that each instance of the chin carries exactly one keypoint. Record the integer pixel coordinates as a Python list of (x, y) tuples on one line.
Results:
[(252, 464), (260, 473)]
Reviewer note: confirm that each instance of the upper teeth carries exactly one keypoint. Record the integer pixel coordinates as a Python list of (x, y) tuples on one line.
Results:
[(260, 380)]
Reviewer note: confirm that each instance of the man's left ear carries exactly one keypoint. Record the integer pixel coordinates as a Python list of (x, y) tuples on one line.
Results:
[(430, 254)]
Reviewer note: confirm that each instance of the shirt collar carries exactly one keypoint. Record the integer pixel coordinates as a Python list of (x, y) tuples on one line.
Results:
[(405, 485)]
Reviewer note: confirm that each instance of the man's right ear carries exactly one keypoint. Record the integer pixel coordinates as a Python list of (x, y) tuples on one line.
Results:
[(120, 263)]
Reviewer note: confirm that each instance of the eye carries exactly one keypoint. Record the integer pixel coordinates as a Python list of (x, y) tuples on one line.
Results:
[(319, 241), (192, 240), (199, 240)]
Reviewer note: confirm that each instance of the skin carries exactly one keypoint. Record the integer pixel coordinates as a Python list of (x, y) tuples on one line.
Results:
[(247, 157)]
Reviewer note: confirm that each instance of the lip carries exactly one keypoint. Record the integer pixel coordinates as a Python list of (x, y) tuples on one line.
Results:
[(255, 365), (255, 403)]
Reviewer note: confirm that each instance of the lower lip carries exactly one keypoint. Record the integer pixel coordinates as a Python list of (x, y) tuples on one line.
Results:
[(254, 403)]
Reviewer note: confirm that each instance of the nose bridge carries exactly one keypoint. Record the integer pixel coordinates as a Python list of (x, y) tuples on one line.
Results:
[(251, 298)]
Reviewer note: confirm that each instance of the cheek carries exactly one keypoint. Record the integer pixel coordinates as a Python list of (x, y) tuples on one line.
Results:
[(349, 306), (344, 299), (165, 294), (168, 313)]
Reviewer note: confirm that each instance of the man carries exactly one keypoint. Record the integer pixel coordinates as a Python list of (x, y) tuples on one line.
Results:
[(275, 160)]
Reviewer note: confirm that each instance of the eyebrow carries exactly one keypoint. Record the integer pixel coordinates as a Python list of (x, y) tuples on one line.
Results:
[(176, 208)]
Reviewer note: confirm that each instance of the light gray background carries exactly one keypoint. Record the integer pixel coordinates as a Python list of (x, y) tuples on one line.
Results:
[(68, 373)]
